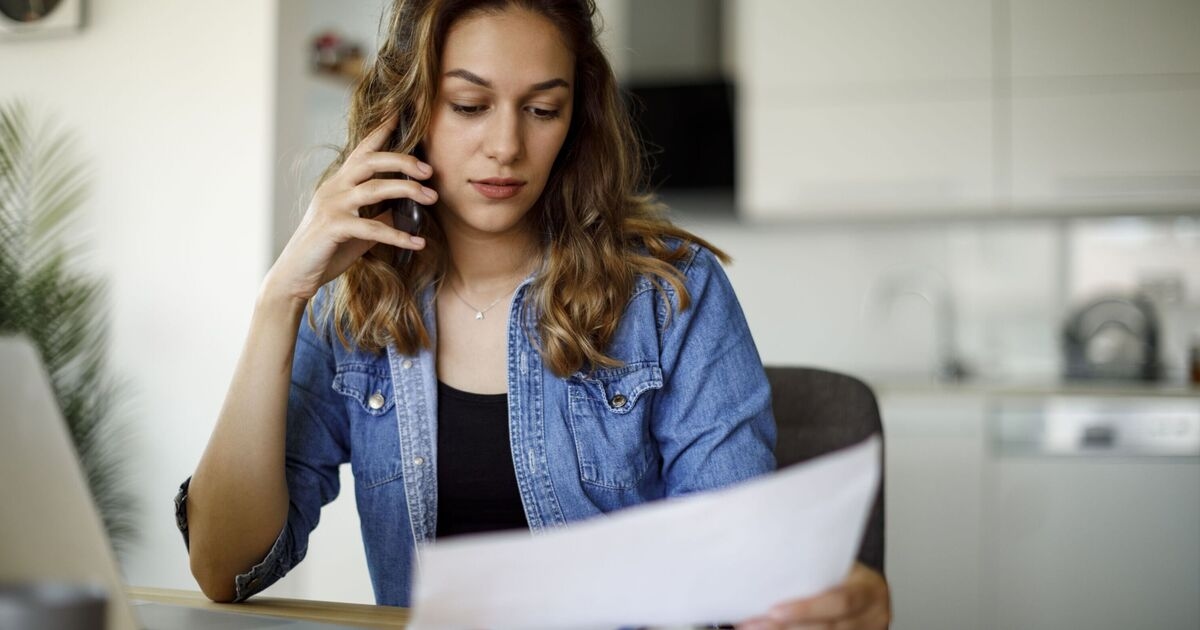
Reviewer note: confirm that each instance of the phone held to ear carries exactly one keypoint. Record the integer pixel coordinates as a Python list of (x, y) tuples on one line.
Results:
[(407, 215)]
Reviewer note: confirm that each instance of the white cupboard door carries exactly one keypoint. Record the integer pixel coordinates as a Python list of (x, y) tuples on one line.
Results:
[(934, 452), (1105, 105), (863, 108)]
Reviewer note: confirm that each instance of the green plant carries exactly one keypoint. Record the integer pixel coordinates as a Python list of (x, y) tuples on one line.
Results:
[(43, 297)]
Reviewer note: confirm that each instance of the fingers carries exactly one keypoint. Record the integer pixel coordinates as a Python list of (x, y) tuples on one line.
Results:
[(355, 180), (363, 167), (376, 190), (836, 604), (376, 231), (861, 602), (368, 158), (335, 206)]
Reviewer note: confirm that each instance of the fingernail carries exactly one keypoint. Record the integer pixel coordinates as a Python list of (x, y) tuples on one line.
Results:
[(429, 192), (424, 168), (417, 240)]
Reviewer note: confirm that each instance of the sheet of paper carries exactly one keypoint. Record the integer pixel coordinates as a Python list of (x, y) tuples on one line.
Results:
[(717, 556)]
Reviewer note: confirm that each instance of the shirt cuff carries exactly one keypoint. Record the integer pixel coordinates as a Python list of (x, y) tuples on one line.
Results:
[(261, 575), (181, 512), (265, 573)]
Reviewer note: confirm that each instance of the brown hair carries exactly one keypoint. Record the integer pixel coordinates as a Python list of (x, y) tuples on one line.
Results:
[(598, 232)]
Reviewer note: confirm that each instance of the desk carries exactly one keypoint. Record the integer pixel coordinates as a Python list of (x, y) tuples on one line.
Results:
[(329, 612)]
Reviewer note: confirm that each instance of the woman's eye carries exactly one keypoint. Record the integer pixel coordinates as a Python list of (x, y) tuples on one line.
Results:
[(466, 110), (544, 114)]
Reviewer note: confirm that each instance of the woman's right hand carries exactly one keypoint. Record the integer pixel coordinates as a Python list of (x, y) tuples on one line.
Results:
[(332, 235)]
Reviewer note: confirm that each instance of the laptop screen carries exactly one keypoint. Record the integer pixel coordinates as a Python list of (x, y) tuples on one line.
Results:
[(50, 530)]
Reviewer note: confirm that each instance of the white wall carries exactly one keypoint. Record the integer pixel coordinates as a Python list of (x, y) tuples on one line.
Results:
[(172, 105)]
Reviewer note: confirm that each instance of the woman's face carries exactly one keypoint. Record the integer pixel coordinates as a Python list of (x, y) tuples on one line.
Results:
[(501, 115)]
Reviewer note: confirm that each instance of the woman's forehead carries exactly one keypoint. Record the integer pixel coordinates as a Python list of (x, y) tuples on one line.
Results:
[(511, 49)]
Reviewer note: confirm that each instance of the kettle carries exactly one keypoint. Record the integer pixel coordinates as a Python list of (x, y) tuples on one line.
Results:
[(1113, 337)]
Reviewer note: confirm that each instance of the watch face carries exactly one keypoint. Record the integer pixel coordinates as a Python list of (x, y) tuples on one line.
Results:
[(27, 10)]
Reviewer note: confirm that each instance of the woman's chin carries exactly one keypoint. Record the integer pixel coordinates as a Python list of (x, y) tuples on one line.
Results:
[(493, 219)]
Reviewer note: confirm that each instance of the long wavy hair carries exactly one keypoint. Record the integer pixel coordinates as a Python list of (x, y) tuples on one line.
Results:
[(598, 230)]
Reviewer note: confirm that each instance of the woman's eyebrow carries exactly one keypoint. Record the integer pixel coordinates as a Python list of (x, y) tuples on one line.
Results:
[(467, 75)]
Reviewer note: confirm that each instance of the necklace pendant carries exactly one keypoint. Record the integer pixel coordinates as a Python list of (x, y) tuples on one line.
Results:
[(478, 314)]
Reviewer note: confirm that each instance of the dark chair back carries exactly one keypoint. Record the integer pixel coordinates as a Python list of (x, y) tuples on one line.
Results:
[(817, 412)]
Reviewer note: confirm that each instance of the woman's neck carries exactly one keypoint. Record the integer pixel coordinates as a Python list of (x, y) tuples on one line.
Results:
[(484, 264)]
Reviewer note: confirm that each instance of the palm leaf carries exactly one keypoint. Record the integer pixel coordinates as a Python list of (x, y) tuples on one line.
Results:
[(43, 297)]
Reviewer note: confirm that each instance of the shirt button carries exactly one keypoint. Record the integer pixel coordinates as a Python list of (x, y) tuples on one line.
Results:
[(417, 461), (618, 401), (376, 401), (407, 364)]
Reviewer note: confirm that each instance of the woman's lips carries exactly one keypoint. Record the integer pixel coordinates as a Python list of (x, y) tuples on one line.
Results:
[(498, 189)]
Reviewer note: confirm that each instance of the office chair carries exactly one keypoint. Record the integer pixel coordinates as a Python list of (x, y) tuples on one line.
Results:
[(817, 412)]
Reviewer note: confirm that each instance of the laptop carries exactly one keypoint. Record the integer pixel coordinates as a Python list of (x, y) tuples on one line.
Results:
[(50, 530)]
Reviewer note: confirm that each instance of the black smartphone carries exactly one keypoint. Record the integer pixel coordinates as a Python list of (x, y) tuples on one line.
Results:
[(407, 215)]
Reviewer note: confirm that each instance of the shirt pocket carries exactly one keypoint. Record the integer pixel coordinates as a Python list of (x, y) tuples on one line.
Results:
[(374, 436), (610, 417)]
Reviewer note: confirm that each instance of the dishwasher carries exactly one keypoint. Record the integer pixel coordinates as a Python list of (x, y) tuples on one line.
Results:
[(1091, 513)]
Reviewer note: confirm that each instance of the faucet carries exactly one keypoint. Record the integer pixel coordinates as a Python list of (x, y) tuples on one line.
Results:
[(933, 287)]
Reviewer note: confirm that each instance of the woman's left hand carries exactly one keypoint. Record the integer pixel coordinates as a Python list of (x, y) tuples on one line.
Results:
[(860, 602)]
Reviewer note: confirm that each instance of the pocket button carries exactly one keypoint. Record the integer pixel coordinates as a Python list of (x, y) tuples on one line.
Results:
[(376, 401), (618, 401)]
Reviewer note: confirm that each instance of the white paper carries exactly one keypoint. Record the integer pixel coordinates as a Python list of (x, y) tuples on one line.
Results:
[(719, 556)]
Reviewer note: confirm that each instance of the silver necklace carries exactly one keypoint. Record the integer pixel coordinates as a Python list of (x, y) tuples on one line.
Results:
[(480, 311)]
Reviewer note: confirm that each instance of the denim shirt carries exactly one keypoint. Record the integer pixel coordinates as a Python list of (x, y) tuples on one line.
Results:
[(688, 410)]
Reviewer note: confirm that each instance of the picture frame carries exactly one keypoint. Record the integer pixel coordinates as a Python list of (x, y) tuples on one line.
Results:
[(25, 19)]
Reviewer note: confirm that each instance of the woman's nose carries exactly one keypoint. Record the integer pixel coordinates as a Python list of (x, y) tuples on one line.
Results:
[(504, 138)]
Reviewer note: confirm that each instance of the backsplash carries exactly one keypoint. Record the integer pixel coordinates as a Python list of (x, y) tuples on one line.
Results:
[(867, 297)]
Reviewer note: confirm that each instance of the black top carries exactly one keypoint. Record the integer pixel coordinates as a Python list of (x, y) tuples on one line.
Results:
[(477, 487)]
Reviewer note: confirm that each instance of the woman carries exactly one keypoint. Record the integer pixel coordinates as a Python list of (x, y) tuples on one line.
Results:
[(552, 350)]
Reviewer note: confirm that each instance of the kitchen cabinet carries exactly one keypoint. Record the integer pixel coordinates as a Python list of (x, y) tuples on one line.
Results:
[(1118, 38), (1105, 105), (1092, 544), (1042, 507), (966, 107), (1092, 513), (863, 107), (934, 469)]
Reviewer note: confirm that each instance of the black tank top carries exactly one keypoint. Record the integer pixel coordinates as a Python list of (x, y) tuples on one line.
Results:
[(477, 487)]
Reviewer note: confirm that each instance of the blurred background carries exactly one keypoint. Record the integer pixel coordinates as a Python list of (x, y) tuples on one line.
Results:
[(987, 209)]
